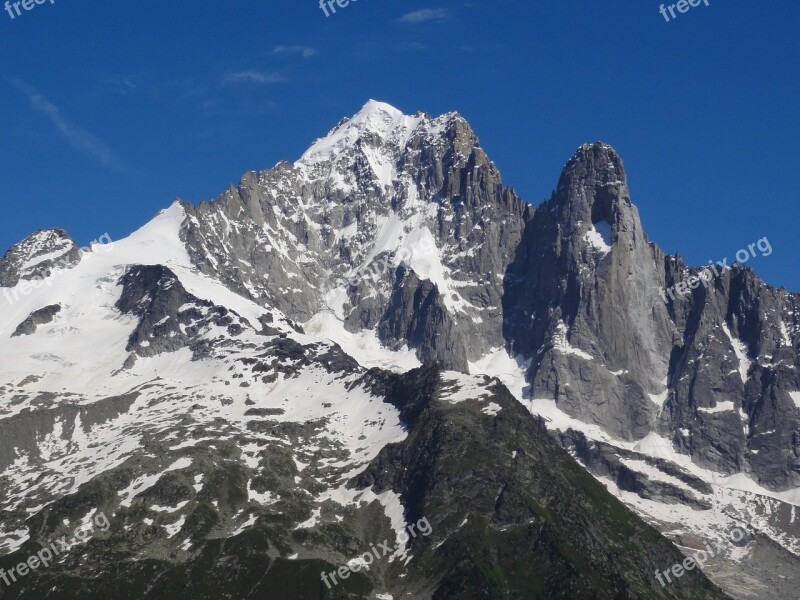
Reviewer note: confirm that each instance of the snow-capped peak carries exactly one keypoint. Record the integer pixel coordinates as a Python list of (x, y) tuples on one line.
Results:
[(36, 255), (375, 117)]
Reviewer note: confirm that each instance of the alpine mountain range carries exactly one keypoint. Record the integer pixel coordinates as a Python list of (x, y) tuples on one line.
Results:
[(257, 389)]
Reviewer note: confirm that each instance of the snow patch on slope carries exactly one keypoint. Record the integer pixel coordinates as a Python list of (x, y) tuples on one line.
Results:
[(599, 237), (786, 339), (498, 363), (720, 407), (659, 399), (562, 345), (457, 387), (364, 346), (741, 353)]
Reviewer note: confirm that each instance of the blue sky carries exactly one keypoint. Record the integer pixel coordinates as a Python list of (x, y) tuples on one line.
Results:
[(109, 110)]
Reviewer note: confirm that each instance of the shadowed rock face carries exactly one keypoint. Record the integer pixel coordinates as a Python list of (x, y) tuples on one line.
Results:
[(733, 370), (38, 317), (170, 318), (417, 316)]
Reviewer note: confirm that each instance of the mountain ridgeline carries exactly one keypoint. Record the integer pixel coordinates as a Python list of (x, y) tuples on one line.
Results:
[(258, 388), (505, 275)]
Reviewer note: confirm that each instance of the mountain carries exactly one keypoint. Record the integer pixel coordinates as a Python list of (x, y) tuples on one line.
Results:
[(260, 388)]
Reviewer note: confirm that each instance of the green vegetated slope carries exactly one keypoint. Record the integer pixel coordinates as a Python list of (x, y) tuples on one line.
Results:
[(513, 516)]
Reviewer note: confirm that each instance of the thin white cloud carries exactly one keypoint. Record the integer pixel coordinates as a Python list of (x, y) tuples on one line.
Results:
[(257, 77), (75, 135), (425, 15), (304, 51)]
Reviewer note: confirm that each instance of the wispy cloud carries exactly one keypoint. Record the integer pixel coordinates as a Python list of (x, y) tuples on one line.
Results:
[(425, 15), (75, 135), (304, 51), (257, 77)]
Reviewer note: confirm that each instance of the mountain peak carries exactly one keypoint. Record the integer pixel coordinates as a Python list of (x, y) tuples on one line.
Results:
[(595, 161), (385, 127), (376, 106), (37, 255), (593, 184), (377, 118)]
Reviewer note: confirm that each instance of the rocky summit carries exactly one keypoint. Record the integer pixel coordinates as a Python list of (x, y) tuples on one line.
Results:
[(260, 391)]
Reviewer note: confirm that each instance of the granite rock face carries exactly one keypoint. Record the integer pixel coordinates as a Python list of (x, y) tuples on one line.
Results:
[(401, 225), (713, 370), (582, 300), (382, 190), (417, 316), (734, 402)]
